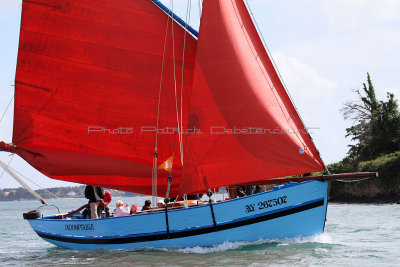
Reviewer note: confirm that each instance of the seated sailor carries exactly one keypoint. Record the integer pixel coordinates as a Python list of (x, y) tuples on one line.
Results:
[(120, 210), (133, 209), (147, 205)]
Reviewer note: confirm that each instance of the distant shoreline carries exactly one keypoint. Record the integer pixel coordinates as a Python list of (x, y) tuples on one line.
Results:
[(21, 194)]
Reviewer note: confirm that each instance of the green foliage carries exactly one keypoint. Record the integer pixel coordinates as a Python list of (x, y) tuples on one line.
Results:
[(339, 167), (376, 124), (386, 188), (387, 164), (388, 167)]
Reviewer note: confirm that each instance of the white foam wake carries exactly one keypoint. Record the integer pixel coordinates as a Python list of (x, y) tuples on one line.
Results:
[(323, 238)]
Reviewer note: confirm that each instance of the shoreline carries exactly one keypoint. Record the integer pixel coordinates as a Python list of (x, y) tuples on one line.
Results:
[(332, 200)]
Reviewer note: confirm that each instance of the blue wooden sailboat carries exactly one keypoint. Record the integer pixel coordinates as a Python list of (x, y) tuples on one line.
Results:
[(126, 95), (290, 210)]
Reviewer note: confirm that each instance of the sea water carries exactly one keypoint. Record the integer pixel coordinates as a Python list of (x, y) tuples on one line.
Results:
[(355, 235)]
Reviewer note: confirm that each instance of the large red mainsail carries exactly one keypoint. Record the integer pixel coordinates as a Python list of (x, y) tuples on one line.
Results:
[(87, 93), (250, 130), (87, 90)]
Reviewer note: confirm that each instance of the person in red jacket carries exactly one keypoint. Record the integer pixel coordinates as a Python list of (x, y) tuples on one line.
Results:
[(103, 205)]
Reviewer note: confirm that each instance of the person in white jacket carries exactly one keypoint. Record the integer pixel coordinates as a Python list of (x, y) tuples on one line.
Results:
[(120, 210)]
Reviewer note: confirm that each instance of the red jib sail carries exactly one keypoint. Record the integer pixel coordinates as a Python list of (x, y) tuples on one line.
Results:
[(87, 90), (250, 130)]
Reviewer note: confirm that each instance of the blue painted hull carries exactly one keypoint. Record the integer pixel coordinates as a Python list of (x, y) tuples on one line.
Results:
[(287, 211)]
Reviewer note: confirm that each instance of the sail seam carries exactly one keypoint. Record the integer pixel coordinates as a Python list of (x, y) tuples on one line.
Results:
[(84, 42), (86, 64)]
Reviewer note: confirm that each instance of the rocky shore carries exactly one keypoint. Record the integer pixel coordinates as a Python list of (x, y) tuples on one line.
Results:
[(377, 190)]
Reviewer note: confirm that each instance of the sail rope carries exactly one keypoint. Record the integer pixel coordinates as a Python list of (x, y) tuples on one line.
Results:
[(8, 164), (155, 165), (176, 96), (1, 119), (11, 172), (187, 21), (39, 186), (47, 191), (166, 199), (275, 67), (199, 161), (9, 103), (272, 59), (353, 180), (265, 77), (178, 106), (179, 116), (280, 77)]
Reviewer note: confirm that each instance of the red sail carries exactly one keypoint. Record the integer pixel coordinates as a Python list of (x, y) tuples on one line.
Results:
[(87, 90), (250, 128)]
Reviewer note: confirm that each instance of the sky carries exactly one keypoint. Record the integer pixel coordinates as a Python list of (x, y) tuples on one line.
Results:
[(323, 51)]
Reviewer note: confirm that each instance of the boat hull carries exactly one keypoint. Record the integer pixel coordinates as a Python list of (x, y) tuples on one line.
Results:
[(287, 211)]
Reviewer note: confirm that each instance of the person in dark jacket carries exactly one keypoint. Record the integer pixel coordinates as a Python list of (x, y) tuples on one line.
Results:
[(147, 205), (95, 195)]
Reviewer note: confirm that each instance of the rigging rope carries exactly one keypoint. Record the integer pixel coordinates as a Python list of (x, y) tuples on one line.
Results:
[(176, 97), (187, 21), (180, 116), (178, 106), (353, 180), (8, 165), (188, 9), (11, 172), (47, 191), (1, 119), (280, 76), (273, 89), (9, 103), (155, 165), (272, 59)]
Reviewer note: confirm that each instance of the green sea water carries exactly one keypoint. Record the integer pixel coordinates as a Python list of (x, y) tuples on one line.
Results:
[(355, 235)]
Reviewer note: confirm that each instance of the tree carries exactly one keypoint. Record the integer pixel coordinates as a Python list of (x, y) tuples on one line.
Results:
[(387, 127), (376, 124)]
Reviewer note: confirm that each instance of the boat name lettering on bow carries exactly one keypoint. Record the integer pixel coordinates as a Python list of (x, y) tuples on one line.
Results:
[(267, 204), (77, 227)]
